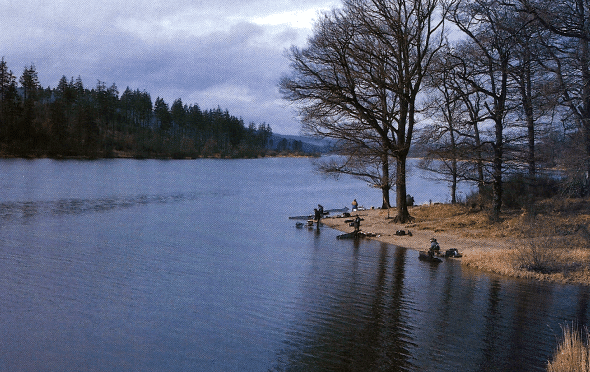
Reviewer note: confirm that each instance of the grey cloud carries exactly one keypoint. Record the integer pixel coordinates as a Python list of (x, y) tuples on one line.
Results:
[(242, 59)]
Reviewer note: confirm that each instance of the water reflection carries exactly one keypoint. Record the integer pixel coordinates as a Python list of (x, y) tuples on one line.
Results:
[(492, 318), (398, 353), (582, 305), (354, 315), (378, 308), (30, 209)]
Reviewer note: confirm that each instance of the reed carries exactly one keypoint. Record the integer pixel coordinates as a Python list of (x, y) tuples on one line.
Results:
[(573, 353)]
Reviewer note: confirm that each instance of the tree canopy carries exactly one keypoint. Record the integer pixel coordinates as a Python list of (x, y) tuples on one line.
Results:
[(516, 77), (503, 98), (360, 75)]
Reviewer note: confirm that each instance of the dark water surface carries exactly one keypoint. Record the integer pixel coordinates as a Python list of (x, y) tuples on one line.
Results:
[(126, 265)]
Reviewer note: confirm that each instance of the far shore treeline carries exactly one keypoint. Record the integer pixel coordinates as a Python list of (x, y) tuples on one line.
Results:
[(72, 120)]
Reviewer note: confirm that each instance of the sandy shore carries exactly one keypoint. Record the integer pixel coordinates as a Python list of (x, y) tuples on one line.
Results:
[(376, 222), (491, 254)]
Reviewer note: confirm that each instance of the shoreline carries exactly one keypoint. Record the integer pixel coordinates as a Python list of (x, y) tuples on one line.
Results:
[(491, 254)]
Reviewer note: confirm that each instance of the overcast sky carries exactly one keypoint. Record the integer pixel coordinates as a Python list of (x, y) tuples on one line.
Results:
[(227, 53)]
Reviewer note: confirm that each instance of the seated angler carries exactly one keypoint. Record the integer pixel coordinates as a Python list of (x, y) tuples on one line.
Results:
[(434, 248)]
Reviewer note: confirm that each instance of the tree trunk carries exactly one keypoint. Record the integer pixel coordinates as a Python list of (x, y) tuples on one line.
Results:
[(403, 215), (454, 183), (532, 167), (385, 186), (453, 163), (499, 112), (585, 62), (480, 176), (526, 89), (497, 173)]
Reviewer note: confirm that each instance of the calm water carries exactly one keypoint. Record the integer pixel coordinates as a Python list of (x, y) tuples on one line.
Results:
[(125, 265)]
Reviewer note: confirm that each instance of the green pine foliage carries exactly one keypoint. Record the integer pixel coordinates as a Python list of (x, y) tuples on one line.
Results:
[(72, 120)]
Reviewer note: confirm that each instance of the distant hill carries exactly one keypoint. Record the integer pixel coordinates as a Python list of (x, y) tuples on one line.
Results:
[(292, 143), (309, 145)]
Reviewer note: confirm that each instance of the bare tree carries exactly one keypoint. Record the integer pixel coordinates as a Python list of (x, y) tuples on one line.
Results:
[(569, 59), (472, 115), (535, 94), (455, 149), (441, 136), (361, 73), (339, 98), (488, 73)]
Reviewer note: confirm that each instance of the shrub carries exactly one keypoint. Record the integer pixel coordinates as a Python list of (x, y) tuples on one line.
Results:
[(515, 190), (551, 245), (541, 255), (575, 186), (517, 186), (543, 251), (479, 200)]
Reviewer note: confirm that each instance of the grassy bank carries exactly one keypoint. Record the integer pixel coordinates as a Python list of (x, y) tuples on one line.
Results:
[(551, 242)]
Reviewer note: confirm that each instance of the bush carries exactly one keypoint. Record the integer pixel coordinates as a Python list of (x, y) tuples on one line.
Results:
[(515, 191), (479, 200), (550, 246), (541, 255), (517, 186), (575, 186)]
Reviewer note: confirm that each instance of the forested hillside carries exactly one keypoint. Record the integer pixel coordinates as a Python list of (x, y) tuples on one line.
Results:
[(72, 120)]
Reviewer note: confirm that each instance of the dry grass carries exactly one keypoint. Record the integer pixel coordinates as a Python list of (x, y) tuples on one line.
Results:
[(572, 354), (562, 217), (469, 222), (551, 244)]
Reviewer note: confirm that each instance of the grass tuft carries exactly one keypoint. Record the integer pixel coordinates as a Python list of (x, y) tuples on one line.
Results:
[(573, 352)]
